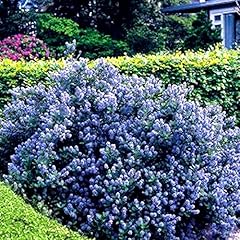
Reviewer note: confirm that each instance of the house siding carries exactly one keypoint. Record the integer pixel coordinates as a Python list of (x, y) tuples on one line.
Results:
[(222, 13)]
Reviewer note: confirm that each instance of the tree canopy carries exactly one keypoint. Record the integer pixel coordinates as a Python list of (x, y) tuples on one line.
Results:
[(140, 22)]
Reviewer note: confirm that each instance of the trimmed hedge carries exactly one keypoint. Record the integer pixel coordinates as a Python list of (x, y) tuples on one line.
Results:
[(20, 222), (215, 74), (24, 73)]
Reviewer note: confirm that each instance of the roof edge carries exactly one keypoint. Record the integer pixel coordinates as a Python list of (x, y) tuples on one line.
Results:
[(196, 7)]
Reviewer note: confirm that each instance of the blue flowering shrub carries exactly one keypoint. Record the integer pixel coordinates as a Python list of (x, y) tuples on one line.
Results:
[(121, 157)]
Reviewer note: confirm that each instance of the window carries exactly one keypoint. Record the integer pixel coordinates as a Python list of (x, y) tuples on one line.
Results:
[(217, 17), (218, 26)]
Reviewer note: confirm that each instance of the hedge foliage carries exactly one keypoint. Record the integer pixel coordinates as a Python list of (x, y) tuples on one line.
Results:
[(19, 221), (122, 157), (24, 73), (214, 74)]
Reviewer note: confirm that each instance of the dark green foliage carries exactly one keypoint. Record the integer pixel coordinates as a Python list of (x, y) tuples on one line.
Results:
[(109, 17), (152, 31), (17, 22), (142, 39), (7, 8), (146, 33), (201, 35), (189, 32), (94, 44), (177, 29), (74, 9), (167, 3), (55, 32)]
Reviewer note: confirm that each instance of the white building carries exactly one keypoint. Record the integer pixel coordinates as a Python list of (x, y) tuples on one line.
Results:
[(223, 13)]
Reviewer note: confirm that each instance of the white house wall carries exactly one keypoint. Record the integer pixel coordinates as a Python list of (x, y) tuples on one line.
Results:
[(220, 12)]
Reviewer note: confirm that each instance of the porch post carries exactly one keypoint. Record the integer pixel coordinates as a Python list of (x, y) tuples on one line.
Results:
[(229, 30)]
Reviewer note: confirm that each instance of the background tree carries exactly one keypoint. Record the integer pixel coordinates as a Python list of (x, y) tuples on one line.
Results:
[(153, 31), (167, 3), (140, 22), (14, 19), (106, 16), (7, 8), (201, 35)]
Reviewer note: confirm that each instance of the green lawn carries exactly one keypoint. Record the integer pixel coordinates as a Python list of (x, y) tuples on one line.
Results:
[(19, 221)]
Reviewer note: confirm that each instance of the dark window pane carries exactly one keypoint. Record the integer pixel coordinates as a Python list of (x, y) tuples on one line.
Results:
[(217, 17)]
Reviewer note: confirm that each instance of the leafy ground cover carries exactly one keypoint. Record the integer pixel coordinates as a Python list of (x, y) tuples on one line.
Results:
[(20, 222)]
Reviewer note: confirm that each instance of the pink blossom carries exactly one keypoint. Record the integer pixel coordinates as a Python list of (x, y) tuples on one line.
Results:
[(23, 46)]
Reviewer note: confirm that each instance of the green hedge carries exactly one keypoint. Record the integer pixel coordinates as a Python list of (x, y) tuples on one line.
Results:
[(214, 74), (19, 221), (24, 73)]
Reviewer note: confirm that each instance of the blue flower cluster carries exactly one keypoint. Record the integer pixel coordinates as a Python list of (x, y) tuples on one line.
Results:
[(120, 157)]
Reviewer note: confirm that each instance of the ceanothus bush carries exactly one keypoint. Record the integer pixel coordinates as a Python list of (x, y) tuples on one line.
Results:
[(120, 157)]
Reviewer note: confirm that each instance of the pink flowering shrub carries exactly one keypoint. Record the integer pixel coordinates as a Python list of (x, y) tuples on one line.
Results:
[(22, 46)]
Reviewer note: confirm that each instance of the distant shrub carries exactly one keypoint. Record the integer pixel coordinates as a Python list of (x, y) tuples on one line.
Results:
[(94, 44), (56, 31), (142, 39), (18, 21), (214, 74), (122, 158), (190, 32), (202, 35), (23, 74), (24, 47)]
